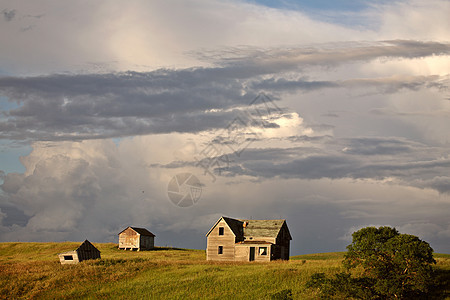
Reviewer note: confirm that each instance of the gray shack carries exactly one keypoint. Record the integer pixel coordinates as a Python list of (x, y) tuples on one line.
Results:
[(135, 238), (84, 252)]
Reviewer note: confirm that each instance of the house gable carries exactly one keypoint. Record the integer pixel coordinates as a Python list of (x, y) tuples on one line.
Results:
[(284, 233), (235, 226), (221, 239)]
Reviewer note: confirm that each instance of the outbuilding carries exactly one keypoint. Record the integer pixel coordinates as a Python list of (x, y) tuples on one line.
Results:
[(84, 252), (135, 238)]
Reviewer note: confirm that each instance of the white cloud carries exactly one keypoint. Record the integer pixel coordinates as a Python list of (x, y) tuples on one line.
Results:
[(377, 91), (143, 35)]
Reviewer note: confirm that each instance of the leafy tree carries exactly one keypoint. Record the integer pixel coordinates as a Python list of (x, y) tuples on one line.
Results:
[(400, 263), (392, 266)]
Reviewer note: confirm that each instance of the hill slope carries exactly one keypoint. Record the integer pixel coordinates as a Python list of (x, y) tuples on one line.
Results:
[(32, 270)]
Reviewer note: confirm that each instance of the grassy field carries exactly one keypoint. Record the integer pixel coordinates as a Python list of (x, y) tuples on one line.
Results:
[(32, 270)]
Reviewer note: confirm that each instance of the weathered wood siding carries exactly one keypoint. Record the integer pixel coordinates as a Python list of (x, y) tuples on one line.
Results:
[(242, 240), (261, 238), (74, 255), (84, 254), (147, 242), (242, 252), (282, 244), (129, 239), (215, 240)]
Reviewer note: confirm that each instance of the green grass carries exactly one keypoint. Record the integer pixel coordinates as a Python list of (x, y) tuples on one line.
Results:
[(32, 270)]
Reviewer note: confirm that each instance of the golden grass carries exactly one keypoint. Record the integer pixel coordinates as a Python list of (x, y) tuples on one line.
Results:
[(33, 271)]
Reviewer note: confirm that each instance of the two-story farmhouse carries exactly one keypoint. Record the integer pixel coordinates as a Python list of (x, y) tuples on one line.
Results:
[(248, 240)]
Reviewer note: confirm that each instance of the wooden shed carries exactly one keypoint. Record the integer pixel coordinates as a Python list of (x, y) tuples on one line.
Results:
[(84, 252), (248, 240), (135, 238)]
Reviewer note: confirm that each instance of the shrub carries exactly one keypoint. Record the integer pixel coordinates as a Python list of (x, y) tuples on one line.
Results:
[(282, 295)]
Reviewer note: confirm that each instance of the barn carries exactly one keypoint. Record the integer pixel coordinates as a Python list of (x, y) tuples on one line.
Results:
[(135, 238), (84, 252), (248, 240)]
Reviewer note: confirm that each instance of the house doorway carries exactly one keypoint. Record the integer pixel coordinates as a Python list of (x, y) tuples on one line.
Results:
[(252, 254)]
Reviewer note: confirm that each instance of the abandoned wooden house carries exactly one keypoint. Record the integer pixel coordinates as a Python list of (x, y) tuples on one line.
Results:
[(134, 238), (84, 252), (248, 240)]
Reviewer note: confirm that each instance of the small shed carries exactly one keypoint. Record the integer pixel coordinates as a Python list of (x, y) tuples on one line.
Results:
[(84, 252), (135, 238)]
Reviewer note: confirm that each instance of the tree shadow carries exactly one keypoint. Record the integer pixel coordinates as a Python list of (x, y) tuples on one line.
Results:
[(440, 289)]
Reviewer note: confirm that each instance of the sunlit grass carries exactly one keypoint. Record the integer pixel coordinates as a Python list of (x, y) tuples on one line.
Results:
[(32, 270)]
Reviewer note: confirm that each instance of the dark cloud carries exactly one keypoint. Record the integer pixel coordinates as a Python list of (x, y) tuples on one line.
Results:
[(97, 106), (92, 106), (13, 216), (325, 54), (439, 183), (379, 146), (9, 14), (408, 162), (380, 85)]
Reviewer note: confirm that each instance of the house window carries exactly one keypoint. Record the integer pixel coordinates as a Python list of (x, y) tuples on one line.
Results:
[(68, 257), (262, 250), (220, 230), (220, 250)]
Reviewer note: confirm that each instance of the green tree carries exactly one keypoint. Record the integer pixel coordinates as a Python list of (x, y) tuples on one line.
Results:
[(399, 263), (392, 266)]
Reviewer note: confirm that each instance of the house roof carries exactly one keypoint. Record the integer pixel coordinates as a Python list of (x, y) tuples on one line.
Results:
[(264, 228), (141, 231), (233, 224), (254, 228)]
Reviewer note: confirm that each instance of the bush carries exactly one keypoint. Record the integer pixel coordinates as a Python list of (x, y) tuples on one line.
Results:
[(282, 295)]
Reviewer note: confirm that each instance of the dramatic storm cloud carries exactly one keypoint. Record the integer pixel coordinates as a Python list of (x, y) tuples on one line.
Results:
[(331, 118)]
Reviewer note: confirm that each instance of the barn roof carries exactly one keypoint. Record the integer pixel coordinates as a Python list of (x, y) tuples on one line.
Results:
[(254, 228), (141, 231), (87, 246)]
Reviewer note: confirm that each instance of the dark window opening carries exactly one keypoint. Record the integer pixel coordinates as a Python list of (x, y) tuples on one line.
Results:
[(220, 230), (68, 257), (220, 251)]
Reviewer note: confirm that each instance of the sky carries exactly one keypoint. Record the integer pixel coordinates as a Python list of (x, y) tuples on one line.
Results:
[(333, 115)]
